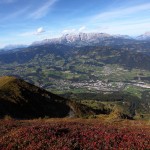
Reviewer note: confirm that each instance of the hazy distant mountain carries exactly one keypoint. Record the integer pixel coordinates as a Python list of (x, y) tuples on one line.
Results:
[(82, 39), (10, 47), (86, 39), (145, 36)]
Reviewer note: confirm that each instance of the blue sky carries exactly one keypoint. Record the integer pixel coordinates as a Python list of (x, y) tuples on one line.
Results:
[(25, 21)]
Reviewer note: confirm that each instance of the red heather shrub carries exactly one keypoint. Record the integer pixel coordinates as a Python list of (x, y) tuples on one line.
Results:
[(71, 136)]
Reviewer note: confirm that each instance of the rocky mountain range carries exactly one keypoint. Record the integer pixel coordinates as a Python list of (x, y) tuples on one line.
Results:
[(82, 39), (85, 39)]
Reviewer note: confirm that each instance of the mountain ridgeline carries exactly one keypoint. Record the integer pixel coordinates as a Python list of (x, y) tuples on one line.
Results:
[(112, 49), (93, 39)]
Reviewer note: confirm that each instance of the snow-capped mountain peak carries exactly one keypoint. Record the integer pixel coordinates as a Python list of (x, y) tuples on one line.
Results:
[(145, 36), (81, 38)]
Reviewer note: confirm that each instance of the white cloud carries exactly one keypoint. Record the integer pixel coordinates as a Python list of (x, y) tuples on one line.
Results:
[(130, 20), (81, 29), (39, 31), (43, 10), (121, 12), (126, 27)]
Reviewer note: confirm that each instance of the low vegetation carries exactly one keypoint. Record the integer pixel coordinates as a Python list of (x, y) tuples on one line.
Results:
[(73, 134)]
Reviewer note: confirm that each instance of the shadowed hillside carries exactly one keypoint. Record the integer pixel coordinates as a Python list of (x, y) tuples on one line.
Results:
[(23, 100), (20, 99)]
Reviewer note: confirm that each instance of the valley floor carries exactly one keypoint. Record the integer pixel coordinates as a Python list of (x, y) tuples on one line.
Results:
[(74, 134)]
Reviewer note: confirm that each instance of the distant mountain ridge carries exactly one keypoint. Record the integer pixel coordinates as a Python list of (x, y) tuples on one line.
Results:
[(145, 36), (10, 47), (130, 56), (86, 39), (83, 39)]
